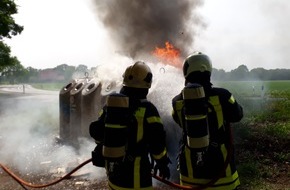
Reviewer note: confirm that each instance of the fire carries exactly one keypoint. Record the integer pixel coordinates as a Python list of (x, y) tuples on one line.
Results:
[(168, 55)]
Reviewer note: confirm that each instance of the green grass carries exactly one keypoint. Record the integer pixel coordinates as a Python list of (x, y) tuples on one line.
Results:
[(264, 145), (280, 130), (249, 173), (254, 88), (262, 138), (48, 86)]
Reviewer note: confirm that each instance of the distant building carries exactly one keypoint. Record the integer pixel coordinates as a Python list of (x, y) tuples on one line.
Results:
[(48, 75)]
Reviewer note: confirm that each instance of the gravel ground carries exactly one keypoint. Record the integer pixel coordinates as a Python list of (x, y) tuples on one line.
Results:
[(74, 183)]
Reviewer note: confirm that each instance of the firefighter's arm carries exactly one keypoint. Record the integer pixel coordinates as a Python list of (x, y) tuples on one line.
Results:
[(157, 143), (176, 109), (155, 133), (97, 128), (97, 132), (234, 111), (175, 116)]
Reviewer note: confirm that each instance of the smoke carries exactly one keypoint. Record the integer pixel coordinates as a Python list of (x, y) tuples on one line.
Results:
[(29, 127), (30, 124), (137, 27), (168, 81)]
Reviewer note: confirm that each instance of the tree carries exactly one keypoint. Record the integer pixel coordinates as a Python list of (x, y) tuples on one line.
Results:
[(258, 74), (82, 68), (15, 72), (5, 58), (8, 28), (218, 74), (240, 73), (67, 71), (32, 74)]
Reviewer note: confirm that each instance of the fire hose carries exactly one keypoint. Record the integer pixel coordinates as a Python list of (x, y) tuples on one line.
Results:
[(172, 184), (24, 183)]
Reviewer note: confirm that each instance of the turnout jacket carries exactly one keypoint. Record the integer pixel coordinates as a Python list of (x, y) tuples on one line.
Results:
[(146, 135), (223, 109)]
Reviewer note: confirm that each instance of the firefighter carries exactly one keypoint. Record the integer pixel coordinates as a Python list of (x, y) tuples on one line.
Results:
[(131, 134), (215, 167)]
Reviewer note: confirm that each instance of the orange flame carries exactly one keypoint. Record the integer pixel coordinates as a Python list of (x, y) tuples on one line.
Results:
[(169, 54)]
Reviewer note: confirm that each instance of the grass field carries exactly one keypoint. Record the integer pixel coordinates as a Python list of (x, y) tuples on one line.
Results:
[(254, 88), (262, 138), (241, 88), (49, 86)]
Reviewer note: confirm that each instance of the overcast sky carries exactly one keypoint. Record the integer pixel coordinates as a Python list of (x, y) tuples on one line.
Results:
[(255, 33)]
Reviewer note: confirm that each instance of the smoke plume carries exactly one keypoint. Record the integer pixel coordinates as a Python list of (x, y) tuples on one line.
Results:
[(28, 131), (137, 27)]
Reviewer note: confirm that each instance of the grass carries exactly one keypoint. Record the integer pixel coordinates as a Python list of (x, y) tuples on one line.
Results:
[(261, 153), (262, 138), (254, 88), (280, 130), (48, 86)]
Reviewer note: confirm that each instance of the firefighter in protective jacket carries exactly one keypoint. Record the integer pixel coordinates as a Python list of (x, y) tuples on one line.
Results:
[(206, 159), (129, 132)]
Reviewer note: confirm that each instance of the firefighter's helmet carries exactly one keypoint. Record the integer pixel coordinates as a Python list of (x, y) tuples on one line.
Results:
[(138, 75), (197, 61)]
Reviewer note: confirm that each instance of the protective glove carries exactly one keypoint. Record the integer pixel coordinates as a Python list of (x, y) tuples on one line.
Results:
[(97, 156), (162, 166)]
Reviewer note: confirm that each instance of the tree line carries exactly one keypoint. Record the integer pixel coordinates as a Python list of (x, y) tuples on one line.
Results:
[(63, 73), (59, 74), (242, 73), (8, 29)]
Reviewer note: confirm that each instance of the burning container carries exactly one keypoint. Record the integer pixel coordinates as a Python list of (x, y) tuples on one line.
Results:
[(76, 110), (80, 103), (92, 103), (64, 110)]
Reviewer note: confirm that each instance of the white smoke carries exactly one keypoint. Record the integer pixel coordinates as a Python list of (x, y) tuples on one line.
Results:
[(30, 124), (29, 127)]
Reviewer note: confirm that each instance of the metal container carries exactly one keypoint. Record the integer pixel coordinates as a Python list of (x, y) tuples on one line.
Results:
[(92, 103), (64, 110), (76, 110)]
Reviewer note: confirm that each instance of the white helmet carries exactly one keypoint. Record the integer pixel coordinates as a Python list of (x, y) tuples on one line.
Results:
[(196, 62)]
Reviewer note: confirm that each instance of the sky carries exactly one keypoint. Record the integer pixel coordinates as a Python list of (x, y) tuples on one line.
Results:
[(254, 33)]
